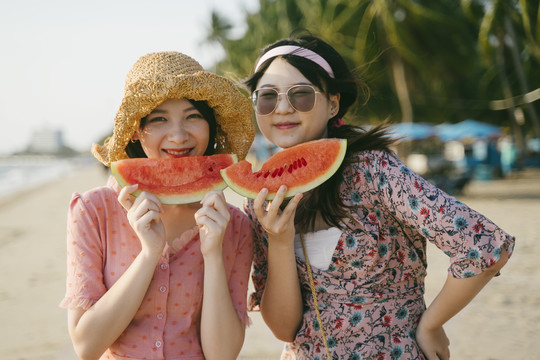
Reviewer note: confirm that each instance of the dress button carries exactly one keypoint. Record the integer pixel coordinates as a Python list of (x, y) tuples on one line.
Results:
[(159, 316), (163, 288), (164, 266), (158, 344)]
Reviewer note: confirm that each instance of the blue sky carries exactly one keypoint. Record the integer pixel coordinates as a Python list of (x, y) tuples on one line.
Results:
[(63, 62)]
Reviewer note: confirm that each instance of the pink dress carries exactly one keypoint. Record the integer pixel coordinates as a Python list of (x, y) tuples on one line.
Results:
[(100, 247), (371, 296)]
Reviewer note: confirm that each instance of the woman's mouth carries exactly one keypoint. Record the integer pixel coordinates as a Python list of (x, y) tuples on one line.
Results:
[(177, 153), (286, 125)]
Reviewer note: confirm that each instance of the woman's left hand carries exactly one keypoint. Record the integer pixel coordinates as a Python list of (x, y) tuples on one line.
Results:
[(212, 219), (433, 342)]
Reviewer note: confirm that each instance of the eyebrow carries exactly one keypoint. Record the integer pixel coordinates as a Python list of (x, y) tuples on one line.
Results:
[(158, 111), (161, 111), (298, 83)]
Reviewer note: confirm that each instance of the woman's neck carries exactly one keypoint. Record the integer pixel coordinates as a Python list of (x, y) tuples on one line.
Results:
[(178, 218)]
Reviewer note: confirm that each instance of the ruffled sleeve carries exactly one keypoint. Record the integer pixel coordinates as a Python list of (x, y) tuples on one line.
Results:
[(84, 280), (471, 240)]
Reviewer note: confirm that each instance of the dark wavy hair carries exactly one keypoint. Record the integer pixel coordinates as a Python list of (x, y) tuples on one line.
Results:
[(325, 198), (135, 150)]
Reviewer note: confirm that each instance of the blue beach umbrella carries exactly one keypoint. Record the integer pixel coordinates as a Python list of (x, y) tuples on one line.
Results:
[(467, 129), (412, 131)]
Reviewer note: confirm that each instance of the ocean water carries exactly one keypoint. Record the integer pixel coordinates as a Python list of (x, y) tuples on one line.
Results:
[(19, 173)]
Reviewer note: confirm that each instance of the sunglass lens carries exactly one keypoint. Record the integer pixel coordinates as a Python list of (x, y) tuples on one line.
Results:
[(302, 98), (265, 100)]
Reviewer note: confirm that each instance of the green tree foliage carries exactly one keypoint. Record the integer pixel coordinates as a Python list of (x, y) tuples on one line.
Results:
[(423, 60)]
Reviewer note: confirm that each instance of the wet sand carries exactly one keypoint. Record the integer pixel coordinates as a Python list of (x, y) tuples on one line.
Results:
[(502, 322)]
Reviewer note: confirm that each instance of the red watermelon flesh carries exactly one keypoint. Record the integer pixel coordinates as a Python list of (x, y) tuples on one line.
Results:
[(301, 167), (175, 180)]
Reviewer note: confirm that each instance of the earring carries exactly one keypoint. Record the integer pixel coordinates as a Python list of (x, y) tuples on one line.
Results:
[(133, 141)]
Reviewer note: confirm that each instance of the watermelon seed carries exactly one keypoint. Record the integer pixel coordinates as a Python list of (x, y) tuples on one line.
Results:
[(304, 162), (275, 172), (290, 169), (295, 165), (258, 174), (266, 174), (210, 169), (281, 170)]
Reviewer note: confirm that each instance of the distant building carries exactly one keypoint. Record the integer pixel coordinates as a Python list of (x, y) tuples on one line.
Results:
[(46, 141)]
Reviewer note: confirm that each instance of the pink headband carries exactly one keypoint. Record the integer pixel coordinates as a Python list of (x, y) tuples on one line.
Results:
[(297, 51)]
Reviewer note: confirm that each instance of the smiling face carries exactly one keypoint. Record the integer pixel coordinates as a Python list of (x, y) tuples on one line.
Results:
[(285, 126), (174, 129)]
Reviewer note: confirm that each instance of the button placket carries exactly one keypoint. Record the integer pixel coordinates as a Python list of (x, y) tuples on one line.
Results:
[(162, 277)]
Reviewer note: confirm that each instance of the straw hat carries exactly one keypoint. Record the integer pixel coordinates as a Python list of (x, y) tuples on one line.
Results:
[(160, 76)]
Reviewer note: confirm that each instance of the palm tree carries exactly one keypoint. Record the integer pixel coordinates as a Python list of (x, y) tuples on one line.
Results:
[(422, 59), (503, 49)]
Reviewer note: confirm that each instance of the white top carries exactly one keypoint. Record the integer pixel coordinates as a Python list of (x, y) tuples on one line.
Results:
[(320, 246)]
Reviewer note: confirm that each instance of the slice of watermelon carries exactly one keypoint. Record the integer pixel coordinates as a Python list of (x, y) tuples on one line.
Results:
[(174, 181), (301, 167)]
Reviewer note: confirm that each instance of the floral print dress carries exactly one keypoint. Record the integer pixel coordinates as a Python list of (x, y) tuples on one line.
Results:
[(371, 296)]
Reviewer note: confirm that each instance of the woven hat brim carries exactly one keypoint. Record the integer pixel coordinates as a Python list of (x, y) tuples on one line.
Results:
[(232, 109)]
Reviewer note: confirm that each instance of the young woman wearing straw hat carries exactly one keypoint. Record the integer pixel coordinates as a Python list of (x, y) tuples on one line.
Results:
[(147, 280)]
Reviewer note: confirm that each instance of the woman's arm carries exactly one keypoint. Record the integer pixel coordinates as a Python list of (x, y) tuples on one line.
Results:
[(94, 330), (222, 331), (282, 313), (453, 297)]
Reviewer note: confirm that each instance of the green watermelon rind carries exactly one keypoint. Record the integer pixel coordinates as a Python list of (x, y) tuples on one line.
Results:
[(292, 191), (169, 199)]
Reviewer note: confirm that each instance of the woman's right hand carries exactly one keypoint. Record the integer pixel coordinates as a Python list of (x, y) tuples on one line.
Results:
[(278, 224), (143, 213)]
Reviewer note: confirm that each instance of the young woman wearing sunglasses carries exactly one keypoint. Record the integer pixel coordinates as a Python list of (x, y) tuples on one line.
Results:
[(340, 270)]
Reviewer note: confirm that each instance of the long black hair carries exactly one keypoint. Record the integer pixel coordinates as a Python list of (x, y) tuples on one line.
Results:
[(325, 198), (135, 150)]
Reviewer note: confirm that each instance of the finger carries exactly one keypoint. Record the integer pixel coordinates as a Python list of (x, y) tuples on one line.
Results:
[(203, 220), (148, 198), (286, 218), (214, 194), (208, 225), (444, 355), (146, 220), (124, 196), (259, 202), (290, 209), (141, 207), (221, 219), (216, 199), (275, 204)]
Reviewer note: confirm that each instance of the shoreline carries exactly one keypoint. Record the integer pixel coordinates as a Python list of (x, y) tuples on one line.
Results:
[(32, 229)]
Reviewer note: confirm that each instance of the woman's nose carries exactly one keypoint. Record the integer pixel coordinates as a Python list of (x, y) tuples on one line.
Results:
[(178, 133), (283, 105)]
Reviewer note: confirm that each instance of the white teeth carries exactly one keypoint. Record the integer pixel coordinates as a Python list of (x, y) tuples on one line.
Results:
[(172, 152)]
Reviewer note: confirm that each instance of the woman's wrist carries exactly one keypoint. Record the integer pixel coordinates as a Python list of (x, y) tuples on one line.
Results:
[(281, 243), (151, 254)]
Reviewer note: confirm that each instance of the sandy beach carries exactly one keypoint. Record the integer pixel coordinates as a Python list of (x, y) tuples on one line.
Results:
[(502, 323)]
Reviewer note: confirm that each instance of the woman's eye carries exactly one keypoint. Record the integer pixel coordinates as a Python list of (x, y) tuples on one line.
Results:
[(156, 119), (195, 116), (268, 94)]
